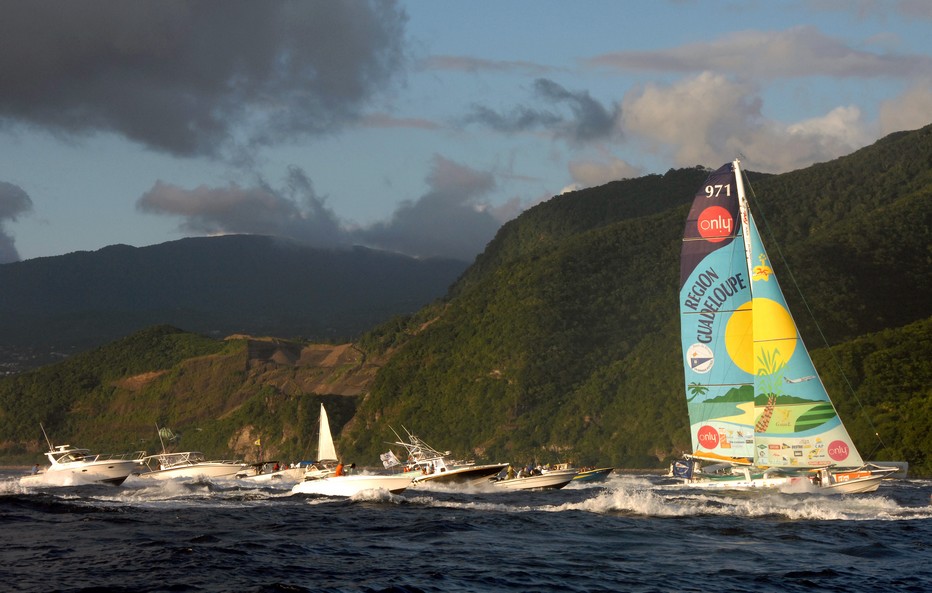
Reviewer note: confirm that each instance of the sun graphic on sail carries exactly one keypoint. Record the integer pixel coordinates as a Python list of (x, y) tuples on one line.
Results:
[(759, 326)]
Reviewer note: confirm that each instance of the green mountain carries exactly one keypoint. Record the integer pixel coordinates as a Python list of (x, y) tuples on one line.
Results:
[(211, 285), (561, 342)]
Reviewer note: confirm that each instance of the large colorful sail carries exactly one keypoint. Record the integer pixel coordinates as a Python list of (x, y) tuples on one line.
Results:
[(796, 424), (751, 388), (715, 322)]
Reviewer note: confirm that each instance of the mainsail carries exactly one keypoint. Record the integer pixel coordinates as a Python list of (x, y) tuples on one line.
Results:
[(752, 391), (325, 449)]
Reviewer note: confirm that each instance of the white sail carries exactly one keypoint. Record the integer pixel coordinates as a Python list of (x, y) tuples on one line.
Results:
[(325, 449)]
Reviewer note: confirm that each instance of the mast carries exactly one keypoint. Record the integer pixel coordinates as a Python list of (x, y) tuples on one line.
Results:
[(743, 209)]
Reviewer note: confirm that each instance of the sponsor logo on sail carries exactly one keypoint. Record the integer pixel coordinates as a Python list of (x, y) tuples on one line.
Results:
[(707, 437), (700, 358), (715, 224), (838, 450)]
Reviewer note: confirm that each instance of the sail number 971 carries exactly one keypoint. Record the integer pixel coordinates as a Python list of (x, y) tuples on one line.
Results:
[(714, 191)]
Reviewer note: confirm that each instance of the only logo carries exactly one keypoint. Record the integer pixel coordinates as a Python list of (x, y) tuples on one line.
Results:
[(707, 437), (838, 450), (715, 224)]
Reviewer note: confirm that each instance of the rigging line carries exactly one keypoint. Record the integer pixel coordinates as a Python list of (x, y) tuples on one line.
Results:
[(786, 264)]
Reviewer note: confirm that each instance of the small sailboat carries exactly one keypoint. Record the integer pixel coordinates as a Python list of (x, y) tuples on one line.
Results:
[(327, 481), (757, 407), (326, 452)]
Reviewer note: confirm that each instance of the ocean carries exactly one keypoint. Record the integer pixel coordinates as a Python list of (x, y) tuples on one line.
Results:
[(632, 533)]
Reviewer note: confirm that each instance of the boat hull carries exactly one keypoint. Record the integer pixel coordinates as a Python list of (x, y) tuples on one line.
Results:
[(472, 474), (354, 484), (196, 471), (856, 485), (548, 481), (741, 483), (292, 474), (593, 475), (112, 472)]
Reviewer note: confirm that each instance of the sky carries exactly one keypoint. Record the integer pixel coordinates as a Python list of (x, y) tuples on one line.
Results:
[(417, 126)]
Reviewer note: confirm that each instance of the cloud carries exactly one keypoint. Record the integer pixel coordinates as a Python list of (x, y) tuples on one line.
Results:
[(450, 220), (475, 65), (709, 119), (588, 173), (796, 52), (588, 120), (384, 120), (876, 10), (294, 211), (13, 202), (196, 78), (910, 111)]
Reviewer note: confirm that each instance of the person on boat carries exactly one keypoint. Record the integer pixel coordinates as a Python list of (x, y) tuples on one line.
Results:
[(510, 474), (276, 467), (35, 469), (339, 469)]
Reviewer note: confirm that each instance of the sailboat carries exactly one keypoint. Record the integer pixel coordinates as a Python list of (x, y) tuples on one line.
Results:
[(326, 452), (334, 481), (757, 407)]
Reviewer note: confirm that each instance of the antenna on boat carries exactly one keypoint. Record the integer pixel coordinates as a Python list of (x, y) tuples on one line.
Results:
[(158, 431), (46, 437)]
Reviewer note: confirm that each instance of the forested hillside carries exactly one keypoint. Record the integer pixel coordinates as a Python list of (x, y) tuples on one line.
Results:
[(561, 342), (212, 285)]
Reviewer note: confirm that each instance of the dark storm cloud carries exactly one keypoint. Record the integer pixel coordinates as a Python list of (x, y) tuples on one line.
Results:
[(13, 202), (450, 220), (195, 78), (588, 119), (294, 211)]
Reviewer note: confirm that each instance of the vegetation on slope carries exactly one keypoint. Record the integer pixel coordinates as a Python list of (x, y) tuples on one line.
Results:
[(561, 343), (562, 340)]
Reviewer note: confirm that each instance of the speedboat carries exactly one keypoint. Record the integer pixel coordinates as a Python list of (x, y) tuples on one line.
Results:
[(325, 479), (431, 466), (71, 466), (551, 480), (349, 485), (271, 471), (188, 464)]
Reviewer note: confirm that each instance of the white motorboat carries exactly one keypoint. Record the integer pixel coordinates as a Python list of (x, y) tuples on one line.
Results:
[(188, 464), (431, 466), (349, 485), (271, 471), (328, 480), (551, 480), (71, 466)]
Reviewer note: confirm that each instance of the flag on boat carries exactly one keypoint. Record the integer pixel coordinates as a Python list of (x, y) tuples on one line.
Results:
[(258, 442), (389, 459), (682, 469)]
